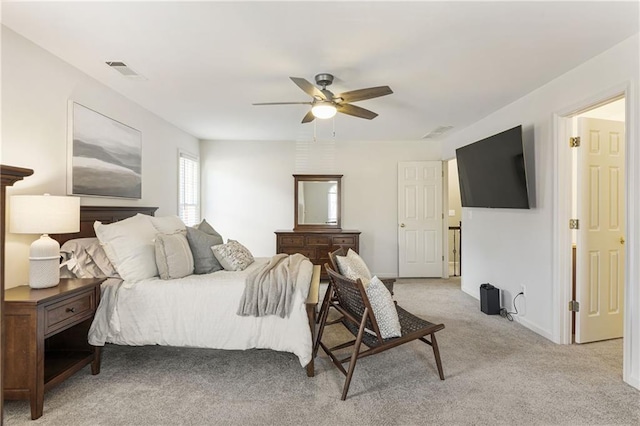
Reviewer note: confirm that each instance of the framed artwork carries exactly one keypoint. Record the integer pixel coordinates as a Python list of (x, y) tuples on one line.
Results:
[(105, 156)]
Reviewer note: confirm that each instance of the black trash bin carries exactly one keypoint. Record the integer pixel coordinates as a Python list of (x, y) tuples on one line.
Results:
[(489, 299)]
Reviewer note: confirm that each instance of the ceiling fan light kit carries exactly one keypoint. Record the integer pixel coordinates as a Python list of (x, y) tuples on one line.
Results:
[(323, 110), (325, 104)]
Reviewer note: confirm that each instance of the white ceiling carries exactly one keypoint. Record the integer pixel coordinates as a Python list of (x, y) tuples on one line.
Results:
[(448, 63)]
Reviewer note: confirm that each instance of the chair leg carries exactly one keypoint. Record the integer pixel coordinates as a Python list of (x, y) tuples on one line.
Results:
[(436, 353), (324, 313), (325, 302), (354, 355)]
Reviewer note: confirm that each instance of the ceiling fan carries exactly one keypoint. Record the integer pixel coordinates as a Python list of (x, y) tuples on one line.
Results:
[(325, 104)]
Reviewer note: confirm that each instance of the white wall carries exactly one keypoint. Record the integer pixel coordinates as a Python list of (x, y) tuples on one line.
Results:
[(509, 248), (36, 87), (248, 191)]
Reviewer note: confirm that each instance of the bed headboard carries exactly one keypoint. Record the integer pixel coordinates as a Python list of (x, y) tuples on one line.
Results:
[(105, 214)]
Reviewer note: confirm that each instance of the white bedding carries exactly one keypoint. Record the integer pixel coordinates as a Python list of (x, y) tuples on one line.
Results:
[(199, 311)]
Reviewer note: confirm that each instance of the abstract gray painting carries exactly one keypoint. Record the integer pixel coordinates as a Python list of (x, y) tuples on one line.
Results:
[(106, 156)]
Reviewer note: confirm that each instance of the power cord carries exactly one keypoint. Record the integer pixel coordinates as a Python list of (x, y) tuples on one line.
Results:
[(506, 314)]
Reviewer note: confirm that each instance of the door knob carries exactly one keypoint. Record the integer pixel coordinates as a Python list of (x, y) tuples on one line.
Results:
[(621, 240), (402, 225)]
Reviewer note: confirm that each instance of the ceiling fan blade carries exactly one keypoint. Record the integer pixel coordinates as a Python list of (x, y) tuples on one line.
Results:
[(283, 103), (362, 94), (308, 118), (327, 94), (308, 88), (356, 111)]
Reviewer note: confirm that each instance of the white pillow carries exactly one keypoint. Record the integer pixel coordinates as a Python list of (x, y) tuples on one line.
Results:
[(129, 246), (384, 310), (233, 256), (168, 224), (173, 256), (353, 267), (85, 258), (77, 262)]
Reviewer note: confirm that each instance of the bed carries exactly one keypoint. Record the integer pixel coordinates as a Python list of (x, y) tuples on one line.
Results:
[(196, 310)]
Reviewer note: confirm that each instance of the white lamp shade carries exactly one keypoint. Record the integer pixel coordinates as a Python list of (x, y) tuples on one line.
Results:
[(44, 214), (323, 110)]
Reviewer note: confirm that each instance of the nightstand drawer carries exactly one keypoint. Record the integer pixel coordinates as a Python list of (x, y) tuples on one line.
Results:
[(69, 311)]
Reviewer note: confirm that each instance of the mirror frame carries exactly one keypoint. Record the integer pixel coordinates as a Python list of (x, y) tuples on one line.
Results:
[(316, 227)]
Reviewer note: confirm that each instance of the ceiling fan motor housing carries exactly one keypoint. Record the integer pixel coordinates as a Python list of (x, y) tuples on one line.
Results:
[(324, 79)]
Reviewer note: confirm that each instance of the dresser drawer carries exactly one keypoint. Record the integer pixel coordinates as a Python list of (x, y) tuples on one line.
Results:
[(344, 240), (69, 311), (318, 240), (323, 257), (291, 240), (308, 252)]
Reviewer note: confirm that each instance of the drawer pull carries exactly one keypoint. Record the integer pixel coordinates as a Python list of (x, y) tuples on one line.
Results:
[(70, 310)]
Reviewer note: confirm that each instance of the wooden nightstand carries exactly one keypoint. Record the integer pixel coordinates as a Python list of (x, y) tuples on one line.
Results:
[(46, 334)]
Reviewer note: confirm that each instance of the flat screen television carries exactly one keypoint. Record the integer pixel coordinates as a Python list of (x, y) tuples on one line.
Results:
[(492, 172)]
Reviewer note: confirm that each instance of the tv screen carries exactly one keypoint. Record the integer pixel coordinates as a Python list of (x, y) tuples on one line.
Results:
[(492, 172)]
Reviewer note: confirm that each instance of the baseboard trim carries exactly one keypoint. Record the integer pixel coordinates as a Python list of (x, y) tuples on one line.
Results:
[(533, 327), (522, 320), (633, 381)]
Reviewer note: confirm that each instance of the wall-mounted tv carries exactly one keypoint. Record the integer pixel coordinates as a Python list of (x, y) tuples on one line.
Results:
[(492, 172)]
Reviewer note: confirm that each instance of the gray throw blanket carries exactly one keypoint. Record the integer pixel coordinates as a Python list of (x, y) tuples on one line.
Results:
[(269, 290)]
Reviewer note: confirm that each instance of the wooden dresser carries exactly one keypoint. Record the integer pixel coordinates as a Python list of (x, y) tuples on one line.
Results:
[(316, 245)]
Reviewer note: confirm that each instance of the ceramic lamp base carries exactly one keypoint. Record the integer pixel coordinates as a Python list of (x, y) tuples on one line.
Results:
[(44, 263)]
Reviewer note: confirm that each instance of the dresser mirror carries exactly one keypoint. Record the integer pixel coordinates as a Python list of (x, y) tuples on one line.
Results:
[(317, 202)]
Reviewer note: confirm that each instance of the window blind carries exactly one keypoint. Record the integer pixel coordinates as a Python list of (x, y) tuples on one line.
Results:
[(189, 194)]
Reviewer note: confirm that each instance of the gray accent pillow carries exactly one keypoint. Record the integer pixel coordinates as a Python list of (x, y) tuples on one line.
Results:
[(207, 229), (200, 243), (173, 256)]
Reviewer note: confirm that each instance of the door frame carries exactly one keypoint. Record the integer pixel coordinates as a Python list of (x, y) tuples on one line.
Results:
[(561, 268), (445, 219)]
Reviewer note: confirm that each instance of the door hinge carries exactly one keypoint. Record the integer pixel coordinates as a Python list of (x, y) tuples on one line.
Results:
[(574, 224), (574, 306), (574, 142)]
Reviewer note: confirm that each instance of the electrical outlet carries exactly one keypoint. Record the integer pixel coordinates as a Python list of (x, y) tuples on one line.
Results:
[(523, 289)]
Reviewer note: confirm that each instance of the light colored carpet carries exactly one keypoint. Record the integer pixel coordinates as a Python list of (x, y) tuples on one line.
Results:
[(497, 372)]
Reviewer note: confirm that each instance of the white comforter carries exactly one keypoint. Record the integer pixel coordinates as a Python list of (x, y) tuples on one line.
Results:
[(199, 311)]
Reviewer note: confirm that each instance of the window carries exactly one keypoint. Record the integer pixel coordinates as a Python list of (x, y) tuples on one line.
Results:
[(189, 191), (332, 203)]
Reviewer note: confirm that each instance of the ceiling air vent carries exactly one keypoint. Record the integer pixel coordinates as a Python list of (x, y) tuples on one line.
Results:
[(123, 69), (437, 132)]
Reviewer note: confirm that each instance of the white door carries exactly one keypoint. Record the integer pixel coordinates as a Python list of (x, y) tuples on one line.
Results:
[(420, 219), (600, 240)]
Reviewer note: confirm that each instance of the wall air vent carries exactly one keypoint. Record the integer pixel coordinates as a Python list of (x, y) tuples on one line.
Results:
[(125, 70), (437, 132)]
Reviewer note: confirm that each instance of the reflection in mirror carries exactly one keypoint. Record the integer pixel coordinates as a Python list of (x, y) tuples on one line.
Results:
[(317, 201)]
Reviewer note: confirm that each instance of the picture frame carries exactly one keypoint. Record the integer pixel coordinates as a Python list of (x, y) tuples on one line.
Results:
[(104, 155)]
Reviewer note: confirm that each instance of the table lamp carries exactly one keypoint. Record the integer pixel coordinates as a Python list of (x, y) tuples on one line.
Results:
[(44, 214)]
